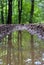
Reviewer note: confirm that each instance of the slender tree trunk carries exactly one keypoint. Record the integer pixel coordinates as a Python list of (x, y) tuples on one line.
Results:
[(19, 10), (9, 12), (32, 11), (32, 40), (2, 13), (6, 12)]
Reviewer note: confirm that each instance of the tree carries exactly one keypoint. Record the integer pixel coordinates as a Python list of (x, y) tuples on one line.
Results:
[(9, 12), (32, 11), (6, 11), (25, 12), (19, 10), (2, 13)]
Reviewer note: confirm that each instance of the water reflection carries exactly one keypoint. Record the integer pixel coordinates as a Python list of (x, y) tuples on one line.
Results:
[(24, 59), (23, 56)]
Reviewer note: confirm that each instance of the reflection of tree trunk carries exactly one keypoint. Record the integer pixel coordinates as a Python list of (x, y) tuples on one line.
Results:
[(40, 53), (2, 50), (5, 50), (14, 61), (19, 48), (32, 49), (9, 50), (20, 58)]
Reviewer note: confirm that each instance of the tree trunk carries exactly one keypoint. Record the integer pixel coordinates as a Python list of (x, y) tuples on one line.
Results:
[(9, 12), (6, 12), (2, 16), (32, 11), (19, 10)]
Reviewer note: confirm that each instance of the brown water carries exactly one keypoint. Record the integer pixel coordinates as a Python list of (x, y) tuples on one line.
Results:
[(26, 55), (22, 57)]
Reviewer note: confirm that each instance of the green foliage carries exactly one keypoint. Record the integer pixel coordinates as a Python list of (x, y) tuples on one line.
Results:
[(26, 7), (26, 12)]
